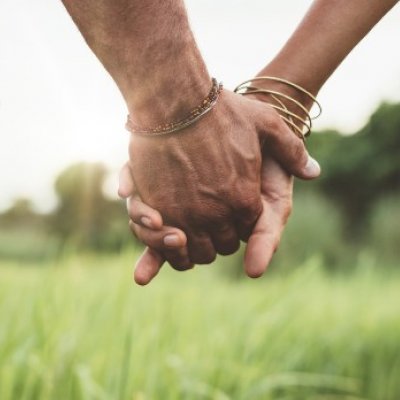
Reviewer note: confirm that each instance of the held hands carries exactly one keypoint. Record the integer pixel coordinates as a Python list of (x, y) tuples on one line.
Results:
[(219, 181), (226, 177), (147, 224)]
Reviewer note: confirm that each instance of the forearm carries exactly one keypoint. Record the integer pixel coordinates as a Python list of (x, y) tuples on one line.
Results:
[(149, 50), (326, 35)]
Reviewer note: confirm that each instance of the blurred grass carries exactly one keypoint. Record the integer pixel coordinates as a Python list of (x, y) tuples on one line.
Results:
[(79, 329)]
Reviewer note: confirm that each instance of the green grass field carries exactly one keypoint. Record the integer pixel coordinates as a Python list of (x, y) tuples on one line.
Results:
[(82, 330)]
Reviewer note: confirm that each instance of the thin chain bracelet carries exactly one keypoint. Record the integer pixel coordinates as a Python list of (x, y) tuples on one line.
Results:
[(194, 115)]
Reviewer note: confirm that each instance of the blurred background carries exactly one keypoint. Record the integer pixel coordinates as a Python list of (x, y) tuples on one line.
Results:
[(322, 324)]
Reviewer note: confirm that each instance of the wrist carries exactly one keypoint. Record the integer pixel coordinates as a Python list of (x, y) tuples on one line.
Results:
[(293, 73), (190, 117), (169, 95), (287, 90), (292, 101), (283, 93), (166, 86)]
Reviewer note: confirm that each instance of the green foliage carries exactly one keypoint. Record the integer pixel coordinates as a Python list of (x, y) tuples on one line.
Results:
[(384, 238), (362, 168), (23, 234), (27, 245), (80, 330), (84, 220), (315, 227), (84, 215)]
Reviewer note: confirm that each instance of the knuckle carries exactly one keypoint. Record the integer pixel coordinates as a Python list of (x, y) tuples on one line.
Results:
[(133, 210), (299, 152), (212, 217), (200, 248), (250, 208), (178, 259), (136, 232), (222, 228), (206, 258), (202, 257), (179, 263), (228, 248), (179, 267)]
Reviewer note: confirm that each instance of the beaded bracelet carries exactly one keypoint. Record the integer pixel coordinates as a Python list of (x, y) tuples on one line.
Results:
[(207, 104)]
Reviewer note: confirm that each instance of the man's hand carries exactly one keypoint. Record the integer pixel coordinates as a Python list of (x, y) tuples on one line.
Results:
[(167, 242), (206, 179)]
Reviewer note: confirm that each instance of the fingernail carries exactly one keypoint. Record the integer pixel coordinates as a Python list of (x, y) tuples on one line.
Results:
[(172, 240), (146, 221), (312, 168)]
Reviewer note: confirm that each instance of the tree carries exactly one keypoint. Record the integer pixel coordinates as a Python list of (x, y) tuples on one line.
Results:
[(360, 169), (21, 215), (84, 215)]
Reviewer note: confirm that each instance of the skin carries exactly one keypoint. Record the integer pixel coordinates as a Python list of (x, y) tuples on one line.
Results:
[(276, 191), (217, 201), (327, 34), (206, 179)]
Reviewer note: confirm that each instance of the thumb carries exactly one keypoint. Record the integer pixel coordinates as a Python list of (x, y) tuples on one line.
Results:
[(148, 266), (263, 241), (287, 148)]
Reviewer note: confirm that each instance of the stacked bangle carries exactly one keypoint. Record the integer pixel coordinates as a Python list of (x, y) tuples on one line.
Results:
[(248, 87)]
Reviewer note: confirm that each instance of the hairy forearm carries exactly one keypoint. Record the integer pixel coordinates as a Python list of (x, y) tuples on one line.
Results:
[(326, 35), (149, 50)]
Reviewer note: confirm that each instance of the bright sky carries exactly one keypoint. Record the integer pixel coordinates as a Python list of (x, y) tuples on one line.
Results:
[(58, 106)]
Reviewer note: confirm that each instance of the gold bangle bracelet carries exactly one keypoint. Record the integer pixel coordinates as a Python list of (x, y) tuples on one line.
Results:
[(284, 109), (254, 90), (291, 115), (247, 87), (297, 131), (289, 119), (286, 82)]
